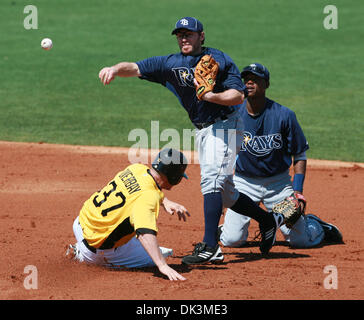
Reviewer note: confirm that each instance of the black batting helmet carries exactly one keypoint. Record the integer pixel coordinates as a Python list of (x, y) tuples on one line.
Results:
[(172, 163)]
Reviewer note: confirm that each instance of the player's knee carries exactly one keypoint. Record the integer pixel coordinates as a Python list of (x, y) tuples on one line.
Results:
[(312, 237), (315, 231), (232, 239), (233, 243)]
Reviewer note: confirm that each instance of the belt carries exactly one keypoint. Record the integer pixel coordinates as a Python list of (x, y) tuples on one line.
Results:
[(200, 126), (92, 249)]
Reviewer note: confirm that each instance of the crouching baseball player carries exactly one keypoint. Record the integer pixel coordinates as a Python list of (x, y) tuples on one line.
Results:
[(117, 226), (272, 137)]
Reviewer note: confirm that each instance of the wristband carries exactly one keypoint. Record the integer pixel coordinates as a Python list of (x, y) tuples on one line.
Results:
[(298, 180)]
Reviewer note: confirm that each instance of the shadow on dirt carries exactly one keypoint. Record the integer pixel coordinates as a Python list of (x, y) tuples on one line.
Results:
[(254, 256)]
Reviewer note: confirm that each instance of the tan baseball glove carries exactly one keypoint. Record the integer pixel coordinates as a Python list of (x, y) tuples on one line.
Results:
[(291, 208), (205, 75)]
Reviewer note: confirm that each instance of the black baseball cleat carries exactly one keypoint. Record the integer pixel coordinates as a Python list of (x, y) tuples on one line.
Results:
[(268, 233), (332, 233), (204, 254)]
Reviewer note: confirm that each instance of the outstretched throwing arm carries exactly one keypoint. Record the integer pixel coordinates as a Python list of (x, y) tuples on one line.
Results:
[(122, 69)]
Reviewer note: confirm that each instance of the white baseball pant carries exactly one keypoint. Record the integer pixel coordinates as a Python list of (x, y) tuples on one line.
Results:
[(305, 233), (130, 255), (217, 147)]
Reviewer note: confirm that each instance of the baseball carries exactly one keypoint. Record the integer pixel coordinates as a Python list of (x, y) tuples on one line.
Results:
[(46, 44)]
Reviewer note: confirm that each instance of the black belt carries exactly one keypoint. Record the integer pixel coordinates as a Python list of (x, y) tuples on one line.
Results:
[(200, 126), (92, 249)]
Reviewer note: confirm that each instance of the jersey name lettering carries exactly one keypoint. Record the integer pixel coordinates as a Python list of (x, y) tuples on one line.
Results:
[(184, 76), (261, 145), (130, 182)]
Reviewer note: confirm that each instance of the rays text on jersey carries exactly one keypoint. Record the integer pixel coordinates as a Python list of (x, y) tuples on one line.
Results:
[(261, 145)]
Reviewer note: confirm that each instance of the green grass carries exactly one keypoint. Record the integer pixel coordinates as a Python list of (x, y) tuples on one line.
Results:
[(56, 96)]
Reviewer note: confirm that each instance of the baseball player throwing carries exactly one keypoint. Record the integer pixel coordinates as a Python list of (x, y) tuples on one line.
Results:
[(208, 85), (273, 139), (127, 206)]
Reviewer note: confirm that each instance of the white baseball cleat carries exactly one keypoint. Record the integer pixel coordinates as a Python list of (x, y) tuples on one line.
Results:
[(73, 253)]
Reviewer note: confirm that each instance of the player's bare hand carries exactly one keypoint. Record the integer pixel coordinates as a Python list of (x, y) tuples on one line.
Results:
[(174, 207), (172, 274), (107, 74)]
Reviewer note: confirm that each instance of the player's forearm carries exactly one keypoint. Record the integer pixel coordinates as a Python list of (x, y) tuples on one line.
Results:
[(150, 244), (299, 169), (122, 69), (126, 69), (230, 97)]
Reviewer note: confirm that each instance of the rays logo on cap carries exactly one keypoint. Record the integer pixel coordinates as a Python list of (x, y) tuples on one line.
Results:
[(188, 23), (184, 22)]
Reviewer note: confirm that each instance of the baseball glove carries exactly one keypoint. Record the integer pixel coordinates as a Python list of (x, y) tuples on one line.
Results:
[(205, 75), (291, 208)]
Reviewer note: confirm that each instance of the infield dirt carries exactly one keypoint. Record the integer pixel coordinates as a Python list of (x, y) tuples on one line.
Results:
[(43, 187)]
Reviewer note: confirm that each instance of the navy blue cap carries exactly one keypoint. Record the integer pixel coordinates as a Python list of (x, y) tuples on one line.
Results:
[(188, 23), (257, 69)]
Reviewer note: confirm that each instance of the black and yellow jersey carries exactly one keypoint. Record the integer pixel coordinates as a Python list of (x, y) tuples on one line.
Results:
[(131, 201)]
